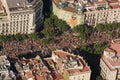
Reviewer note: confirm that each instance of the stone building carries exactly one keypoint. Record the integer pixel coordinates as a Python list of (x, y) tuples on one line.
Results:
[(5, 72), (20, 16), (33, 69), (110, 61), (102, 12), (92, 12), (67, 66), (67, 11)]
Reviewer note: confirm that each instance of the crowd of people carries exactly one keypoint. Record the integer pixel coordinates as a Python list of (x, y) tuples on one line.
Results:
[(14, 48)]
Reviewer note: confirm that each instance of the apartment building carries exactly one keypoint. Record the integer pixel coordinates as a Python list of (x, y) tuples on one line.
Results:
[(5, 72), (110, 61), (32, 69), (67, 66), (20, 16), (69, 11), (103, 11), (92, 12)]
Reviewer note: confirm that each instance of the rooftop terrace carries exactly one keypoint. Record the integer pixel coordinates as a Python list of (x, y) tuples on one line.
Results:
[(112, 55)]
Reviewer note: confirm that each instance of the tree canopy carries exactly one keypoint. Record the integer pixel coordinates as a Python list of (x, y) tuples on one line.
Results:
[(107, 27), (84, 31), (54, 26)]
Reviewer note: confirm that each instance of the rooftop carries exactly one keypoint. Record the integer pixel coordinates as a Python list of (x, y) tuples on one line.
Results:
[(113, 1), (34, 65), (13, 4), (64, 62), (76, 6), (4, 69), (101, 2), (112, 55)]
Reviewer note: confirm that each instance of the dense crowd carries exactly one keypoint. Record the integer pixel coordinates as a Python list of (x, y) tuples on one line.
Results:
[(67, 39)]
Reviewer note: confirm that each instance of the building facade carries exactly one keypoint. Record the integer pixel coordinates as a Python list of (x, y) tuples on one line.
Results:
[(67, 12), (32, 69), (66, 66), (5, 72), (20, 16), (110, 61), (91, 12), (102, 12)]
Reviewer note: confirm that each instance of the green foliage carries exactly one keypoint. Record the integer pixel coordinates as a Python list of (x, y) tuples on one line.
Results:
[(48, 22), (100, 27), (44, 41), (99, 78), (107, 27), (61, 25), (54, 26), (96, 49), (92, 54), (33, 35), (17, 37), (3, 38), (66, 77), (47, 41), (83, 30), (99, 48), (43, 55), (48, 32)]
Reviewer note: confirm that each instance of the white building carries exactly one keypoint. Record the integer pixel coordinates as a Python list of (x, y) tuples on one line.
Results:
[(103, 11), (66, 66), (20, 16), (92, 12), (110, 62), (5, 72), (33, 69), (67, 11)]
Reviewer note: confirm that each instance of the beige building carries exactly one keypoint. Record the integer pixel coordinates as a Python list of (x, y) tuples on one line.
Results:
[(67, 66), (33, 69), (110, 61), (69, 14), (20, 16), (5, 72), (92, 12), (103, 11)]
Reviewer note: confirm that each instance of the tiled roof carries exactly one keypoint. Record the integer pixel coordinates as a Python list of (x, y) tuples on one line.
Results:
[(64, 62), (69, 9), (63, 54), (115, 6), (113, 1), (109, 50), (116, 47), (112, 60), (65, 8), (36, 65), (71, 71), (101, 1), (38, 77), (29, 75), (57, 76)]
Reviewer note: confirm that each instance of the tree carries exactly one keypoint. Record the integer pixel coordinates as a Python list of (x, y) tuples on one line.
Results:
[(100, 27), (83, 30), (48, 22), (61, 25), (48, 32), (3, 38), (33, 35), (54, 26), (99, 78)]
